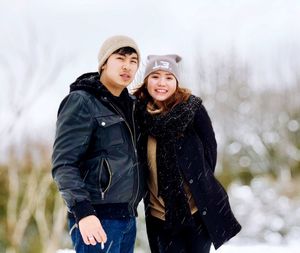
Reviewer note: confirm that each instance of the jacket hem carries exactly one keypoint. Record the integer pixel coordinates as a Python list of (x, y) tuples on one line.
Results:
[(110, 211)]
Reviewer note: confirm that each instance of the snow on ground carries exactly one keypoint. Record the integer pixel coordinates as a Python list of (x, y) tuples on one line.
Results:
[(270, 220), (259, 248)]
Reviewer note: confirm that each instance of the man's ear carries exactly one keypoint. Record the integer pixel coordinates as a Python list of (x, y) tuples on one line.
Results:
[(103, 66)]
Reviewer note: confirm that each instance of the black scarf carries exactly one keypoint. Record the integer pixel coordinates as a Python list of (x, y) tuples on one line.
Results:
[(167, 128)]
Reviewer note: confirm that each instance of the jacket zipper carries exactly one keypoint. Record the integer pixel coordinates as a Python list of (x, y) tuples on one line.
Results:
[(137, 162), (134, 147), (110, 178), (85, 176)]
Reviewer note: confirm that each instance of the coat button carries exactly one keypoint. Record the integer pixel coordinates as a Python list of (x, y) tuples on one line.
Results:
[(102, 123), (204, 213), (191, 181)]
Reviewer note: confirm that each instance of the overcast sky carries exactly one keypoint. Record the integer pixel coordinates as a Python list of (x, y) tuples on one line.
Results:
[(80, 26), (254, 28), (262, 32)]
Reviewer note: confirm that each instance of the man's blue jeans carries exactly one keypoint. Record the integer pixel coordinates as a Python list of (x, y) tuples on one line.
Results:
[(121, 234)]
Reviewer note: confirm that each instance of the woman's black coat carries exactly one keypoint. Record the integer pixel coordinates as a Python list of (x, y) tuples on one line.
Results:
[(196, 154)]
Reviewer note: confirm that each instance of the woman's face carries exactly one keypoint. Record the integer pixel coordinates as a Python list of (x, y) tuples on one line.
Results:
[(161, 85)]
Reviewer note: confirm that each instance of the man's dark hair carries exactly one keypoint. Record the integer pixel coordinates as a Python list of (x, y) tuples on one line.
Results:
[(125, 50)]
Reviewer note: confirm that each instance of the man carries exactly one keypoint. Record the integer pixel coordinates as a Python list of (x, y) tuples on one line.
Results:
[(94, 156)]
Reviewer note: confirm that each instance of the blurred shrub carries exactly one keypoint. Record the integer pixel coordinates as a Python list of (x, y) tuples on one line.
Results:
[(32, 212)]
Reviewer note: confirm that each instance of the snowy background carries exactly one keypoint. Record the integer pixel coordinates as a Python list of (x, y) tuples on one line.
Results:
[(241, 56), (46, 44)]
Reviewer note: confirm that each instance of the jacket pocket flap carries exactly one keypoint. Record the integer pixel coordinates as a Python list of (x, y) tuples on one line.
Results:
[(109, 120)]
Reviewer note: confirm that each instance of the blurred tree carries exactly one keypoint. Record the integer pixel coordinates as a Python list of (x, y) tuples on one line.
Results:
[(258, 130), (32, 213), (27, 72)]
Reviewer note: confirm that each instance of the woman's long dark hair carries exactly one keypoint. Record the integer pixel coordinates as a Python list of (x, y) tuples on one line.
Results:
[(180, 95)]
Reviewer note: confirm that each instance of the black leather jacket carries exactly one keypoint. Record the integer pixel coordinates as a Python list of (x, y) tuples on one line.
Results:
[(94, 156)]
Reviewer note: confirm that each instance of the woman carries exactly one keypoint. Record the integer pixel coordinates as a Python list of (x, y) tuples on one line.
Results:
[(187, 209)]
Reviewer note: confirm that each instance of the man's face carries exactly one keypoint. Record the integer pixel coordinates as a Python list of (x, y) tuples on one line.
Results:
[(119, 70)]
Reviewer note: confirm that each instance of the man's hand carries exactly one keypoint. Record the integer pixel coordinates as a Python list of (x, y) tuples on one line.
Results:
[(91, 230)]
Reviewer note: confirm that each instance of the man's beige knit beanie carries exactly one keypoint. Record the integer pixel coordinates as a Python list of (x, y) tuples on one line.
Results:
[(112, 44)]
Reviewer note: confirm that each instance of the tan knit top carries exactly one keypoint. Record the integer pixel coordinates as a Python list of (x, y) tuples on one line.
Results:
[(157, 207)]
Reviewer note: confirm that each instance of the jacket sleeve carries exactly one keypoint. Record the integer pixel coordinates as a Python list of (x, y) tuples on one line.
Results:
[(74, 128), (204, 129)]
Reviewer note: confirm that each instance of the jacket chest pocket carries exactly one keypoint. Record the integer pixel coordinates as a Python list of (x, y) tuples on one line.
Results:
[(111, 130)]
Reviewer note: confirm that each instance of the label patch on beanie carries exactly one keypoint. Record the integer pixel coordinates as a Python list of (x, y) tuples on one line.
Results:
[(161, 64)]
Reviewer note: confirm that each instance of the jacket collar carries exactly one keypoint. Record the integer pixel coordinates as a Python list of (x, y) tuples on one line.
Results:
[(90, 82)]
